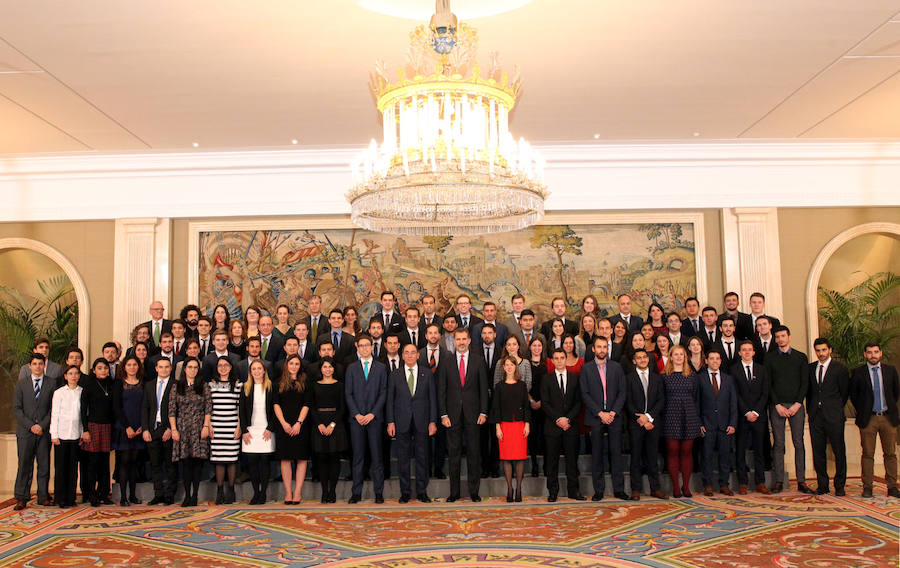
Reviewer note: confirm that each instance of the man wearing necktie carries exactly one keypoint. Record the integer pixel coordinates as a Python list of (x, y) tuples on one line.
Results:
[(874, 391), (31, 407), (467, 320), (157, 323), (366, 392), (561, 403), (690, 325), (829, 388), (463, 407), (157, 434), (718, 417), (411, 411), (432, 356), (752, 382), (644, 404), (603, 392)]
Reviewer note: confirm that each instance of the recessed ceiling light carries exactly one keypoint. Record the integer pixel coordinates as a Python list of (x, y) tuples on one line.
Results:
[(196, 144), (294, 141), (596, 137), (696, 134)]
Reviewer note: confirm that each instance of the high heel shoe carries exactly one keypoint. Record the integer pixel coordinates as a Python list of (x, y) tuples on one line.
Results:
[(509, 495), (686, 492), (518, 495)]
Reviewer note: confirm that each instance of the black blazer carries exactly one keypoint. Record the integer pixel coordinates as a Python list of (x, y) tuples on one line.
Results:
[(150, 371), (864, 398), (209, 347), (148, 409), (759, 355), (635, 321), (345, 353), (717, 412), (684, 339), (634, 396), (474, 321), (208, 367), (396, 325), (322, 326), (491, 365), (405, 410), (273, 369), (406, 339), (460, 402), (165, 328), (517, 409), (743, 325), (752, 395), (246, 409), (727, 361), (276, 349), (704, 335), (436, 319), (687, 327), (829, 398), (555, 405)]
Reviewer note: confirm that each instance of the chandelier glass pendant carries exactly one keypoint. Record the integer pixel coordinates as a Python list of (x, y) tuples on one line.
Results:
[(448, 164)]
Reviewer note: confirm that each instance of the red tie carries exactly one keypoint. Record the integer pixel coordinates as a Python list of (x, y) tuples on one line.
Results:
[(462, 370), (177, 346)]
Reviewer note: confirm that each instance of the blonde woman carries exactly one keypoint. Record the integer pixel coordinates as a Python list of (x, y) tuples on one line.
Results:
[(258, 422)]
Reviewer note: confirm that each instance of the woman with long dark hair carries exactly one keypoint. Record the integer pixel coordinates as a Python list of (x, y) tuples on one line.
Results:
[(128, 441), (220, 317), (510, 412), (538, 365), (329, 411), (292, 439), (190, 414), (97, 417), (225, 438)]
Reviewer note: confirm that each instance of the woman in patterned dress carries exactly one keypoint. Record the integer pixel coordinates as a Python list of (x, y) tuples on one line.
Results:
[(225, 441), (190, 413), (681, 419)]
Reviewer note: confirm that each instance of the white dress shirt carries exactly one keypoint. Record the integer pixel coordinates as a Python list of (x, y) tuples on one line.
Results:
[(65, 414)]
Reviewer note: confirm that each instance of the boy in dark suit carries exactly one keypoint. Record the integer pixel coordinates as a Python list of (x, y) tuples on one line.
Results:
[(366, 392), (718, 418)]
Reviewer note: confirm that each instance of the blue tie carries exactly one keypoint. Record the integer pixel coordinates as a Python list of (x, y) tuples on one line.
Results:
[(159, 393), (37, 388), (334, 339), (366, 369), (876, 387)]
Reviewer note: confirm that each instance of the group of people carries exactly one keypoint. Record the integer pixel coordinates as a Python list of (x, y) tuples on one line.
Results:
[(429, 388)]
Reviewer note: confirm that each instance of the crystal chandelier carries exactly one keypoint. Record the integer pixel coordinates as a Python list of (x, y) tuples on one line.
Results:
[(448, 164)]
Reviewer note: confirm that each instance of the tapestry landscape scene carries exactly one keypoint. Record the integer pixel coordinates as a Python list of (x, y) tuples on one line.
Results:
[(654, 262)]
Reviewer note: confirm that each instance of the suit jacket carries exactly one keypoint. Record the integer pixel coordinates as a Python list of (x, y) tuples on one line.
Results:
[(717, 412), (273, 369), (512, 324), (752, 395), (520, 335), (345, 353), (245, 409), (760, 355), (442, 356), (150, 371), (775, 323), (148, 407), (683, 339), (687, 327), (436, 319), (704, 335), (635, 399), (473, 322), (491, 365), (463, 402), (276, 349), (743, 325), (396, 325), (406, 339), (209, 347), (864, 398), (29, 410), (322, 326), (570, 326), (829, 398), (592, 391), (166, 327), (635, 321), (365, 396), (727, 361), (210, 362), (556, 405), (502, 334), (417, 410)]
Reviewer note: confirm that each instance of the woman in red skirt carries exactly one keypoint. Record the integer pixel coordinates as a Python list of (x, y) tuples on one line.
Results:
[(511, 412)]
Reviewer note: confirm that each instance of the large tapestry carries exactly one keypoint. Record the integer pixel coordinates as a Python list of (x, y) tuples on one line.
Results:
[(654, 262)]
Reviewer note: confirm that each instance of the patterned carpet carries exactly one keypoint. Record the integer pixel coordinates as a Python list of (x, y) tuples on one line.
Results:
[(783, 530)]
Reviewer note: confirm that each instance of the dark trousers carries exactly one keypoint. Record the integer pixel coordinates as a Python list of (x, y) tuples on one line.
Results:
[(98, 475), (82, 480), (472, 433), (567, 444), (716, 450), (438, 454), (751, 435), (598, 474), (362, 438), (30, 449), (490, 451), (823, 432), (65, 482), (644, 455), (162, 468), (412, 443), (536, 439)]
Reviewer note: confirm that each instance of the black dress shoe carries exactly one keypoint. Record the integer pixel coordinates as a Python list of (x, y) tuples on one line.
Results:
[(867, 492), (106, 501), (597, 497), (475, 498), (452, 498), (379, 498), (423, 498), (822, 490), (324, 498), (894, 492), (156, 501), (484, 475), (124, 503), (134, 500), (439, 475), (840, 492), (354, 499), (578, 497), (621, 495), (804, 488), (404, 498), (170, 500), (551, 498)]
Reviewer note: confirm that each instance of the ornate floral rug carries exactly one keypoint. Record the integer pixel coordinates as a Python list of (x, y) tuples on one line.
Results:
[(789, 529)]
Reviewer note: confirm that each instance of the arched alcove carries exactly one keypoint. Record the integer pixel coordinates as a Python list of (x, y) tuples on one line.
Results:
[(826, 254)]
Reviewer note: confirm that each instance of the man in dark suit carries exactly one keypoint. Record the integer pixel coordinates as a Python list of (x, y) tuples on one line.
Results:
[(743, 322), (763, 341), (428, 314), (758, 309), (306, 347), (366, 392), (709, 328), (718, 422), (272, 345), (561, 403), (491, 351), (157, 324), (517, 303), (31, 407), (315, 321), (390, 357), (204, 326), (644, 402), (411, 411), (673, 327), (632, 321), (692, 324), (570, 326), (376, 332), (463, 406), (432, 356), (614, 350), (603, 393), (464, 316), (526, 332), (727, 345), (489, 311), (829, 388), (411, 332), (179, 337), (158, 435), (393, 321), (220, 349), (344, 350), (166, 351), (254, 352), (752, 385), (874, 390)]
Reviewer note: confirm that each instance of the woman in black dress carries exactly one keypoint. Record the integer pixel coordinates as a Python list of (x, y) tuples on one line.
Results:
[(96, 418), (538, 363), (292, 438), (128, 397), (329, 410)]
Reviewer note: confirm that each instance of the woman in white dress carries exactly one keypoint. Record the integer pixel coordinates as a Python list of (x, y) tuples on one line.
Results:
[(258, 426)]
